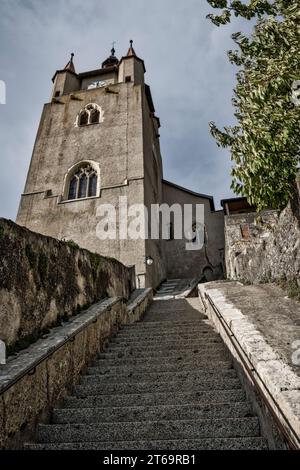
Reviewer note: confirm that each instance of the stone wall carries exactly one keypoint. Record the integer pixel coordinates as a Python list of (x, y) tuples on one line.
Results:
[(44, 281), (264, 247), (39, 378)]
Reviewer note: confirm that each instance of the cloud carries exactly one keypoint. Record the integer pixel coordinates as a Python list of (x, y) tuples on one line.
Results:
[(187, 69)]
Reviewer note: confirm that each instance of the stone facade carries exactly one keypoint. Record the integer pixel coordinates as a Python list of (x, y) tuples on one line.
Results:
[(263, 247), (123, 148)]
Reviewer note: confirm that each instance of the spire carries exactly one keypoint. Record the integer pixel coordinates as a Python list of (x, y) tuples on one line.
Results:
[(131, 51), (111, 60), (70, 64)]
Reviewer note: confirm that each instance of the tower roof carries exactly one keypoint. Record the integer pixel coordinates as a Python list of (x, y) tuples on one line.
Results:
[(70, 65), (68, 68), (131, 51), (111, 60)]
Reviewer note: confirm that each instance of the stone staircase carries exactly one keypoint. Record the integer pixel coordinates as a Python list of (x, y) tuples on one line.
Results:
[(165, 383)]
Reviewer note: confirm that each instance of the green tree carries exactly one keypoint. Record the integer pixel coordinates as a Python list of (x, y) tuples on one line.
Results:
[(264, 143)]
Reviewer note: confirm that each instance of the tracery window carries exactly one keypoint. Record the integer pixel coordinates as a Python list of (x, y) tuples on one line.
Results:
[(90, 114), (83, 183)]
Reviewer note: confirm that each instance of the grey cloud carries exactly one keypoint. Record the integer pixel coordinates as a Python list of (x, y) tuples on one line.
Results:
[(187, 68)]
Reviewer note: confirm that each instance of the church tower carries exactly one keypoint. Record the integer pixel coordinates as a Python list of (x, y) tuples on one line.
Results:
[(98, 140)]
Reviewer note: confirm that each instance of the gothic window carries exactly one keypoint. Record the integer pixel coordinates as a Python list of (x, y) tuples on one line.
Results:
[(91, 114), (83, 183), (92, 185), (73, 188), (82, 186), (84, 118), (94, 116)]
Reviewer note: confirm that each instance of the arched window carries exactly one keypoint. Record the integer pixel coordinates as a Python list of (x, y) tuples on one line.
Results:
[(94, 116), (90, 114), (92, 185), (83, 183), (82, 186), (73, 188), (84, 118)]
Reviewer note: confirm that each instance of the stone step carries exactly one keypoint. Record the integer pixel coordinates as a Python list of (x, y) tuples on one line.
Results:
[(159, 345), (162, 350), (93, 385), (171, 317), (217, 351), (179, 333), (187, 429), (166, 339), (163, 337), (154, 413), (230, 443), (197, 359), (101, 367), (191, 324), (167, 331), (144, 399), (138, 376)]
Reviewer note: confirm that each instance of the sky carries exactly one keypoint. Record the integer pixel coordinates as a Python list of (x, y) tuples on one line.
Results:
[(188, 70)]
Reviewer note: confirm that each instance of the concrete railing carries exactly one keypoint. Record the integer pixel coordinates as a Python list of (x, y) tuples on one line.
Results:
[(271, 385)]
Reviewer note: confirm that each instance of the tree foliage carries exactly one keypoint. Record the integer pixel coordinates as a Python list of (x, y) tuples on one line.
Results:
[(265, 142)]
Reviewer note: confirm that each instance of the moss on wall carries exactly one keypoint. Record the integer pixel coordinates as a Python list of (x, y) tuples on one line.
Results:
[(43, 281)]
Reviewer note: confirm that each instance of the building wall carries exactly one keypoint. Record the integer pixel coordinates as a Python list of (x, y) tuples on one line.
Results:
[(153, 192), (265, 247), (116, 145), (262, 247), (125, 147), (206, 262)]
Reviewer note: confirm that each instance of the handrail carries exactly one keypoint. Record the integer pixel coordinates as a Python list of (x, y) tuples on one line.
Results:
[(30, 370), (250, 370)]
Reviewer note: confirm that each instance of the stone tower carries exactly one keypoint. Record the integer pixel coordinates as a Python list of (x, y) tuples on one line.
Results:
[(98, 140)]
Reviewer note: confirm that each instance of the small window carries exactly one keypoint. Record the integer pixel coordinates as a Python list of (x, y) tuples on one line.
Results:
[(57, 94), (82, 186), (92, 185), (84, 118), (94, 116), (90, 114), (128, 79), (73, 188)]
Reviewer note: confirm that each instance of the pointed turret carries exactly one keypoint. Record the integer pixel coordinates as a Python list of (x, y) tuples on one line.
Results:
[(70, 65), (131, 51), (131, 67), (65, 80)]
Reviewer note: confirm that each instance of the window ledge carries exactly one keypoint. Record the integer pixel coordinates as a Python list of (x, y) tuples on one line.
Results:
[(88, 125), (65, 201)]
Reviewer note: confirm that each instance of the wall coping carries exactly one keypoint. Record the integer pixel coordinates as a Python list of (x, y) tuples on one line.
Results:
[(29, 358), (135, 301), (280, 383)]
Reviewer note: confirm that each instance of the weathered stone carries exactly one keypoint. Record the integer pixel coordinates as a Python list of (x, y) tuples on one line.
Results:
[(44, 281), (270, 252), (23, 395)]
